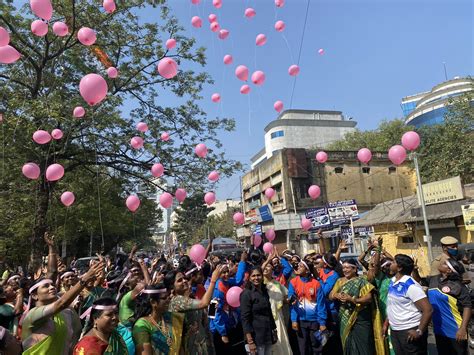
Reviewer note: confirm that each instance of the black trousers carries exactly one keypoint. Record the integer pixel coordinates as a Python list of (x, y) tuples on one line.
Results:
[(306, 341), (401, 346), (236, 343), (450, 346)]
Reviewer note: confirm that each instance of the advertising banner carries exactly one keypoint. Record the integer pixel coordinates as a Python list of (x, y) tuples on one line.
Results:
[(264, 214), (319, 217), (468, 215), (341, 212)]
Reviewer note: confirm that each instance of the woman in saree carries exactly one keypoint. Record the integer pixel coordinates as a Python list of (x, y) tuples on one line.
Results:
[(278, 296), (359, 319), (101, 334), (156, 331), (196, 333), (51, 327)]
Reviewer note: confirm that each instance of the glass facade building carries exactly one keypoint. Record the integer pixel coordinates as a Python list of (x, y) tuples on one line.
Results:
[(429, 108)]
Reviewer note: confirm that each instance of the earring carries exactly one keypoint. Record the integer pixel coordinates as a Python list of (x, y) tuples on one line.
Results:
[(95, 325)]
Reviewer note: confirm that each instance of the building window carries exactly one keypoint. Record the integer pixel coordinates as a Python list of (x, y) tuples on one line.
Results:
[(277, 134), (392, 170), (408, 239), (365, 170), (339, 170)]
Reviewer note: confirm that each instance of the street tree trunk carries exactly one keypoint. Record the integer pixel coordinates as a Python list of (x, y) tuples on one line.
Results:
[(40, 226)]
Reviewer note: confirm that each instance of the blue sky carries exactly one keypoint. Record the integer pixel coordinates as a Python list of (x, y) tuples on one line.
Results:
[(376, 52)]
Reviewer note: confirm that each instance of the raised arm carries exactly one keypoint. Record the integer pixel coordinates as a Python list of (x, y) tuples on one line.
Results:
[(52, 272)]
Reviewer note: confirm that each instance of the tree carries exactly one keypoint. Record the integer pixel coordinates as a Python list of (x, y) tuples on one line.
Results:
[(41, 90), (191, 216), (221, 225), (446, 149)]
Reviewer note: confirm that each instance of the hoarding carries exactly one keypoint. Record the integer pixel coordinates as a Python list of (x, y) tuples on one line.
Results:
[(319, 217), (468, 215), (341, 212), (442, 191)]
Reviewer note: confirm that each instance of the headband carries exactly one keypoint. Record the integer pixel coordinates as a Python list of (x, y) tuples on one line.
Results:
[(351, 265), (42, 282), (305, 265), (161, 290), (451, 267), (136, 268), (68, 273), (197, 268), (14, 277), (324, 259), (99, 307), (386, 263), (122, 284), (296, 256)]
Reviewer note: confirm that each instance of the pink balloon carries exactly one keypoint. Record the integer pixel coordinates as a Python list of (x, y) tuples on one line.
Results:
[(258, 77), (166, 200), (279, 3), (293, 70), (278, 106), (57, 134), (112, 72), (397, 154), (180, 194), (86, 36), (410, 140), (93, 88), (261, 39), (270, 234), (321, 51), (216, 97), (42, 8), (142, 127), (228, 59), (322, 157), (233, 296), (239, 218), (314, 192), (31, 171), (223, 34), (269, 193), (165, 136), (41, 137), (136, 142), (249, 12), (242, 72), (196, 22), (60, 29), (217, 3), (132, 203), (9, 55), (364, 155), (109, 6), (54, 172), (244, 89), (171, 43), (268, 247), (214, 26), (213, 176), (210, 198), (279, 26), (212, 18), (201, 150), (39, 28), (167, 68), (4, 37), (157, 170), (195, 2), (67, 198), (306, 224), (79, 112), (197, 254), (257, 240)]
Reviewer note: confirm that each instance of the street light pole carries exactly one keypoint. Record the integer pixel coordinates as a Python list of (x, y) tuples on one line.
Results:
[(427, 236)]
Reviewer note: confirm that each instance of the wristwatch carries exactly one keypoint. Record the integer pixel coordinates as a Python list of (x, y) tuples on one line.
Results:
[(419, 332), (82, 282)]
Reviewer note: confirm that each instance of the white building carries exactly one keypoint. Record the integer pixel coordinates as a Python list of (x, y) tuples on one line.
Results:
[(303, 129), (162, 232), (222, 206)]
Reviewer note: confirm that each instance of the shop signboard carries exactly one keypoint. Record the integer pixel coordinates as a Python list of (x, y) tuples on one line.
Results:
[(341, 212), (468, 215), (264, 214), (319, 217)]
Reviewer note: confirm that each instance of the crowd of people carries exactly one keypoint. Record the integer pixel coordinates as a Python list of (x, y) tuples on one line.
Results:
[(289, 304)]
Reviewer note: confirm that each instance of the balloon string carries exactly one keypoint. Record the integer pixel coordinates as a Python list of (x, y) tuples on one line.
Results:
[(133, 223), (299, 53), (288, 46), (98, 188), (250, 113), (65, 220)]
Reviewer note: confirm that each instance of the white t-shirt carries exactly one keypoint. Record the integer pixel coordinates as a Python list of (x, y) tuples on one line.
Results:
[(402, 312)]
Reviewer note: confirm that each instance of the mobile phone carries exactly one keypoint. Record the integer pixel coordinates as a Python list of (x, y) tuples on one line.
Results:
[(247, 348), (211, 311)]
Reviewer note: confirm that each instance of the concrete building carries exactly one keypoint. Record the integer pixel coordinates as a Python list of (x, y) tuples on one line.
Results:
[(428, 108), (303, 129), (223, 205), (290, 172), (163, 229)]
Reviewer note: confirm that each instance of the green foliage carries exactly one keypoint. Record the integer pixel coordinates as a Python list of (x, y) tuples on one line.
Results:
[(41, 90), (190, 218), (221, 225)]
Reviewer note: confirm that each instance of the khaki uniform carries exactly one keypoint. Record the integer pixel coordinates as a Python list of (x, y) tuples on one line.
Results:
[(437, 262)]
